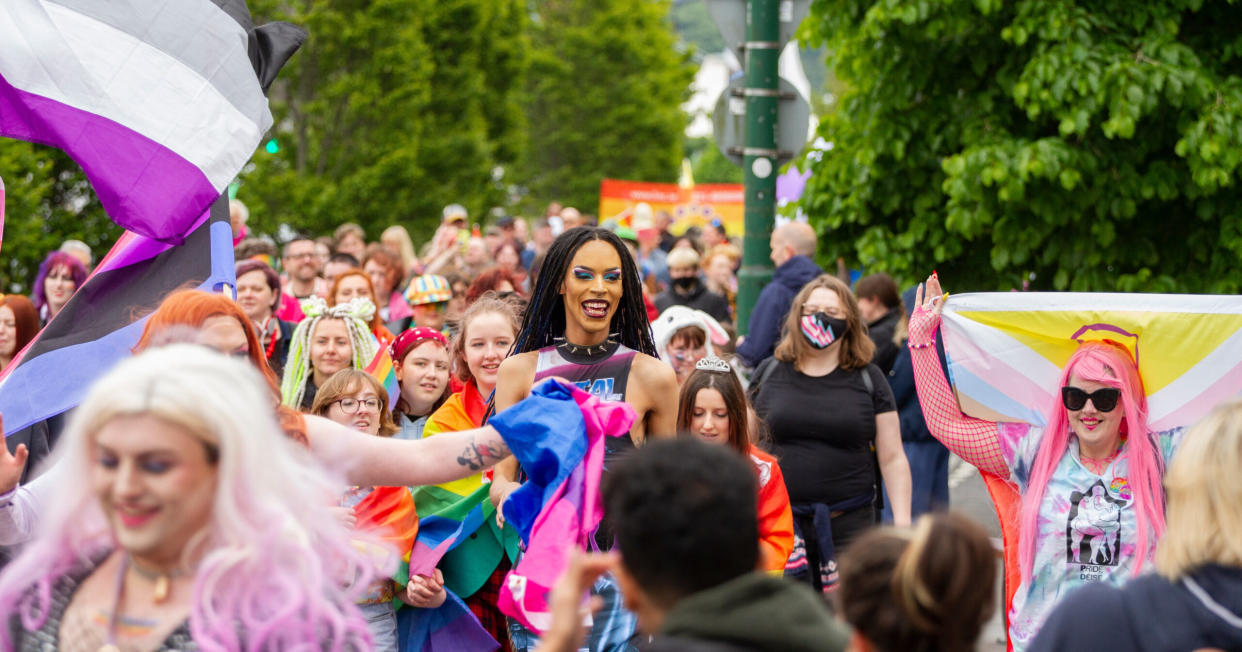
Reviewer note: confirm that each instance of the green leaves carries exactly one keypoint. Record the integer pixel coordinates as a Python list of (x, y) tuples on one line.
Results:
[(1089, 146)]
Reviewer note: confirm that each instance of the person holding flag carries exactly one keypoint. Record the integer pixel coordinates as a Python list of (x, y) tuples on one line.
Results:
[(1092, 506)]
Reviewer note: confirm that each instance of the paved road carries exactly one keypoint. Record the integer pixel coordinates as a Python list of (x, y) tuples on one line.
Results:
[(968, 495)]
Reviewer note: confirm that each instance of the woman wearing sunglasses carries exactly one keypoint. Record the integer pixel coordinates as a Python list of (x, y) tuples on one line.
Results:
[(1090, 480)]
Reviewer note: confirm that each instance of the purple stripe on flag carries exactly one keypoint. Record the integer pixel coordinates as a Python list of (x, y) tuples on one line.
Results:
[(144, 186), (132, 248), (50, 384)]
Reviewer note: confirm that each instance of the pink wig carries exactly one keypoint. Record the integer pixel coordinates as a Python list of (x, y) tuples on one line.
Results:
[(274, 570), (1110, 364)]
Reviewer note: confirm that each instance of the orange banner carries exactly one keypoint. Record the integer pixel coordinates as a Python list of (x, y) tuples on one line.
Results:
[(694, 206)]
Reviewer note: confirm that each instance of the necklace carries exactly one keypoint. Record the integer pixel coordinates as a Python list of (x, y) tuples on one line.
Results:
[(162, 580), (1097, 464), (592, 351)]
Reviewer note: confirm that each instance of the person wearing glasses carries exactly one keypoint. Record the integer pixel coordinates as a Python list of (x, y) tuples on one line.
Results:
[(359, 402), (1090, 481), (833, 423)]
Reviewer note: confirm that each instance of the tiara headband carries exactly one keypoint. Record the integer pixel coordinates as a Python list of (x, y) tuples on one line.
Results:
[(712, 363)]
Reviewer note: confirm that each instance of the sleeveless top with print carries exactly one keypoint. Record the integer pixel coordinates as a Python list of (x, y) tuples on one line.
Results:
[(605, 377)]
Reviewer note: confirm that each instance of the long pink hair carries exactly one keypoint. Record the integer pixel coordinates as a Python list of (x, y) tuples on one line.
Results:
[(1110, 364), (275, 570)]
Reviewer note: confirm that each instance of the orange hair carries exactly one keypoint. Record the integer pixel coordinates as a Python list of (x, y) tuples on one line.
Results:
[(376, 324), (190, 309)]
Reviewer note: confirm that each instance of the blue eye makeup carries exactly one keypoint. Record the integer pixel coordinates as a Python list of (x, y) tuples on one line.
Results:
[(583, 274), (156, 466), (612, 275)]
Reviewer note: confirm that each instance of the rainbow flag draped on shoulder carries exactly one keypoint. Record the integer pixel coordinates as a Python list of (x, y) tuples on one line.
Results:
[(458, 534)]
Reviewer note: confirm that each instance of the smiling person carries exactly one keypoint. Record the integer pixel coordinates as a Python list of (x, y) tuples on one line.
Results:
[(358, 401), (60, 275), (1092, 501), (191, 527), (258, 294), (476, 568), (327, 341), (216, 322), (830, 455), (713, 408), (586, 323), (421, 362), (356, 284)]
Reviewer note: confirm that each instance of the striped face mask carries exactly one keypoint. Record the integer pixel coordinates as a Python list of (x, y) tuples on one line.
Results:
[(821, 330)]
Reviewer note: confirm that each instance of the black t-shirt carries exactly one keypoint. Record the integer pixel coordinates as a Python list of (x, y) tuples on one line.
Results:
[(822, 429)]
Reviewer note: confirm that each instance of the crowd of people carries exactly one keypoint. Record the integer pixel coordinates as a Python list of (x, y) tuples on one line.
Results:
[(268, 497)]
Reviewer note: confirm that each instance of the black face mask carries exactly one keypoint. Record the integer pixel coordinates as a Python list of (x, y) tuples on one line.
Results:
[(821, 331), (686, 282)]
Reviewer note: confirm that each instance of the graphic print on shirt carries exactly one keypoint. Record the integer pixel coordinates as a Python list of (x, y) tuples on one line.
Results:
[(601, 387), (1093, 528)]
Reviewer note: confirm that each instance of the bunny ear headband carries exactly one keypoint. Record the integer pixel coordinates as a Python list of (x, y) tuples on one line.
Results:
[(359, 308)]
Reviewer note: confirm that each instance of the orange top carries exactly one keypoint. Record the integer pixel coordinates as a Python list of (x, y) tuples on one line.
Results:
[(776, 536)]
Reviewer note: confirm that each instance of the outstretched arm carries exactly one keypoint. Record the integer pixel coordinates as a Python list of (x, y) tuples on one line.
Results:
[(971, 439), (384, 462)]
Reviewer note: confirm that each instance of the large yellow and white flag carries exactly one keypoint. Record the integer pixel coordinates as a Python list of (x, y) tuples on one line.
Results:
[(1006, 349)]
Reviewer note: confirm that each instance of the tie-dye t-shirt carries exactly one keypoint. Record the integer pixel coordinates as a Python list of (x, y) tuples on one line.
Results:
[(1086, 529)]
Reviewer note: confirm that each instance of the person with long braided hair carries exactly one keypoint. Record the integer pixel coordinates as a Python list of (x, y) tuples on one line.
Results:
[(328, 340), (586, 323)]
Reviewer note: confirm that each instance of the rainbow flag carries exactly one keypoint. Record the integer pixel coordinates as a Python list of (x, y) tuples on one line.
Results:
[(453, 511), (1006, 350), (458, 534), (380, 367)]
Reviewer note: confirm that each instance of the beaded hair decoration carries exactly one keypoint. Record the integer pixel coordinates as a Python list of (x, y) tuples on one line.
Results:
[(712, 363), (356, 314)]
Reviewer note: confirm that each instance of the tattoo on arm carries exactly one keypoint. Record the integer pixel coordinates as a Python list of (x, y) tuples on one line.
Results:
[(476, 455)]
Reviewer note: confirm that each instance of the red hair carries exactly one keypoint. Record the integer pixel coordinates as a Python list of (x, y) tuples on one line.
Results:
[(488, 279), (25, 317), (190, 309), (376, 323)]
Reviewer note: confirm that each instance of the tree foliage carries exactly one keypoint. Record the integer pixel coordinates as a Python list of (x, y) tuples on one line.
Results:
[(606, 84), (48, 201), (1089, 146), (392, 109)]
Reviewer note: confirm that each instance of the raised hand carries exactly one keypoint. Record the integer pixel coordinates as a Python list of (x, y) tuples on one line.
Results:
[(11, 464), (926, 316)]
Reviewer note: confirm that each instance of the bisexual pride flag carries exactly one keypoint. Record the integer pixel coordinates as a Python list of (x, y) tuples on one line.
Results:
[(161, 103)]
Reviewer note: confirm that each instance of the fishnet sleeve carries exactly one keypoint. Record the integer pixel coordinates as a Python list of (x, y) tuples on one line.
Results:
[(971, 439)]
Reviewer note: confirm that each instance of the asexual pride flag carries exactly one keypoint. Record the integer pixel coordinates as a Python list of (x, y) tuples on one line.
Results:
[(159, 102), (103, 319)]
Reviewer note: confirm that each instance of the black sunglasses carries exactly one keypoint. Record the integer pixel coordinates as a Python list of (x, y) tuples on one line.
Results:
[(1104, 400)]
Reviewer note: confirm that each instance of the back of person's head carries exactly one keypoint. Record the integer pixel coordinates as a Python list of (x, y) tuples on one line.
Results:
[(800, 237), (1204, 487), (879, 286), (926, 590), (685, 517)]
